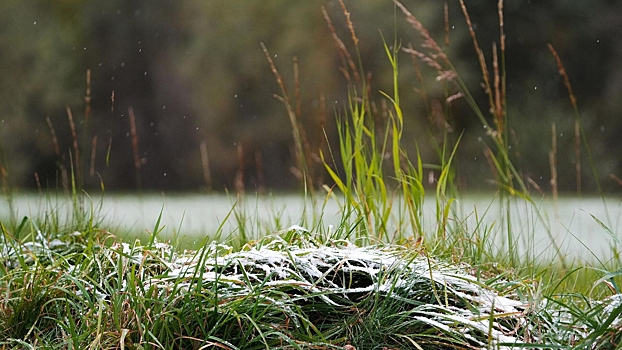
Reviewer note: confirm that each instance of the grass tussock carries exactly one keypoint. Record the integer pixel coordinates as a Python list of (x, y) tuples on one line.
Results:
[(391, 275)]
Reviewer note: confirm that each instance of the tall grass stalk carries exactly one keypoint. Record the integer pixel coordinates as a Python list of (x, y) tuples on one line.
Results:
[(509, 182), (293, 112), (579, 134)]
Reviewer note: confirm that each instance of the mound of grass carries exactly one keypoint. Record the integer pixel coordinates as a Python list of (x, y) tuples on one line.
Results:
[(287, 290)]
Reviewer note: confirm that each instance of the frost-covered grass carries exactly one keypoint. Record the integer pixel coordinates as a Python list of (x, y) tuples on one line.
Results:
[(291, 289)]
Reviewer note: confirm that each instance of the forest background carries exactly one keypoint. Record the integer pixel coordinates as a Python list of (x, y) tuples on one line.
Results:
[(200, 89)]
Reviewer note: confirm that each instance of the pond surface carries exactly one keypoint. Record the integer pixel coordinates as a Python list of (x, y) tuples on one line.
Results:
[(585, 228)]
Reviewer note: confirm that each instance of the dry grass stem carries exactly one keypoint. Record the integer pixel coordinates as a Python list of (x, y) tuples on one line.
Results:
[(498, 111), (112, 103), (109, 149), (535, 185), (577, 126), (54, 138), (207, 175), (355, 40), (428, 42), (577, 154), (93, 154), (446, 75), (303, 134), (383, 118), (5, 179), (501, 25), (422, 90), (261, 179), (502, 40), (368, 87), (343, 51), (562, 72), (454, 97), (424, 58), (301, 145), (38, 182), (239, 176), (553, 161), (76, 148), (134, 136), (491, 163), (297, 88), (87, 96), (480, 55), (285, 98), (615, 178), (279, 78)]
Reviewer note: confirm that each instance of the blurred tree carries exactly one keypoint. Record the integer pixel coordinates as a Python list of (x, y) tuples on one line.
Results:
[(193, 72), (38, 80)]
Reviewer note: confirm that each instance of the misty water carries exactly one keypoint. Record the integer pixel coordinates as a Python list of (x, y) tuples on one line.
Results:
[(584, 228)]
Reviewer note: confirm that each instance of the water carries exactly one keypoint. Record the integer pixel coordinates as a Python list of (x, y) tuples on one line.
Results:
[(571, 224)]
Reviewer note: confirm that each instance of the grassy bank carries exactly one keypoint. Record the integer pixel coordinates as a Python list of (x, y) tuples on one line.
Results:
[(75, 285), (389, 275)]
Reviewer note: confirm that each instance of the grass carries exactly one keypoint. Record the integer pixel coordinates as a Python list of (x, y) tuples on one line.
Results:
[(390, 275)]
